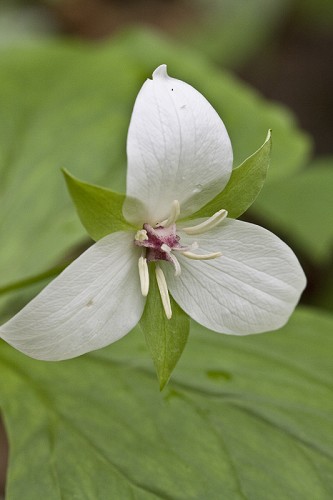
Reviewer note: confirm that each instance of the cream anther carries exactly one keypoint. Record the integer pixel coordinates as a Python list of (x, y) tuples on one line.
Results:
[(207, 224), (208, 256), (163, 288), (141, 235), (144, 276), (174, 214)]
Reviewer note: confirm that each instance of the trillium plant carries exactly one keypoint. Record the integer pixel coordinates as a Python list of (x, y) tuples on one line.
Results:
[(168, 250)]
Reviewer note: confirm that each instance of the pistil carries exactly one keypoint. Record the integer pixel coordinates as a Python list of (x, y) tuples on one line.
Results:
[(173, 259)]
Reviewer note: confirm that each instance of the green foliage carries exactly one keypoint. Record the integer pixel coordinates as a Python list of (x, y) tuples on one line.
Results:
[(165, 338), (246, 417), (231, 31), (244, 185), (99, 209), (316, 14), (301, 208)]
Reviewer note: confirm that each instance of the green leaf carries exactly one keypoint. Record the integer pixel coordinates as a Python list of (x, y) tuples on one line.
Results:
[(300, 207), (231, 32), (244, 185), (50, 273), (243, 417), (165, 338), (99, 209)]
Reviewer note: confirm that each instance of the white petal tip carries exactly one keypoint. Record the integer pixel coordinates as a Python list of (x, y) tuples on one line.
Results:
[(160, 72)]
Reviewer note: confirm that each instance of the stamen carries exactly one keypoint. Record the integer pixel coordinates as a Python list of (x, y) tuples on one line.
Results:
[(141, 235), (175, 263), (163, 288), (207, 224), (144, 275), (174, 214), (208, 256)]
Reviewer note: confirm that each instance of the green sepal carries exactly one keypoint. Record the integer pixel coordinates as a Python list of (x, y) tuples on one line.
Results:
[(99, 208), (244, 185), (165, 338)]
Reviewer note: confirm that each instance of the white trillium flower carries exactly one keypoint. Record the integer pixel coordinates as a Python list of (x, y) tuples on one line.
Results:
[(230, 276)]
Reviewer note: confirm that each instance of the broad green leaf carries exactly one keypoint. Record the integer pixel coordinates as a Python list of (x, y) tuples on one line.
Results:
[(242, 417), (301, 209), (99, 209), (245, 184), (231, 32), (165, 338), (69, 104)]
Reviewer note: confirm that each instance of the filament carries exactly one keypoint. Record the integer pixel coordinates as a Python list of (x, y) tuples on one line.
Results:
[(208, 224)]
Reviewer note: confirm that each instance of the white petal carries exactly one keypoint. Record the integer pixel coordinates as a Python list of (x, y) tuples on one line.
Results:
[(253, 287), (178, 149), (94, 302)]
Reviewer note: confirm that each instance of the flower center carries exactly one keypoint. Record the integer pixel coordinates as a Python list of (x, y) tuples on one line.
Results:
[(162, 242), (159, 243)]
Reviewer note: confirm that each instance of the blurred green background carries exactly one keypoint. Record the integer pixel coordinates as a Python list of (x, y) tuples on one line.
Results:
[(70, 71)]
